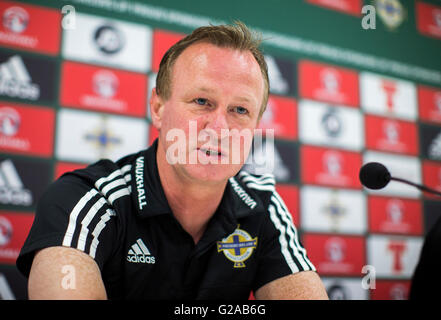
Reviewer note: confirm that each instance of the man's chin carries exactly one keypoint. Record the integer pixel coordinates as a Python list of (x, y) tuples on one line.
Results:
[(211, 173)]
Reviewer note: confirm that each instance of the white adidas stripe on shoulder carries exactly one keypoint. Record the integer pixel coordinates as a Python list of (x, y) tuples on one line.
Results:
[(285, 209), (67, 240), (98, 228), (263, 183), (118, 194), (297, 249), (282, 239), (124, 177), (112, 185), (113, 175), (245, 175), (288, 239), (268, 180), (263, 176), (111, 196), (261, 187), (87, 220)]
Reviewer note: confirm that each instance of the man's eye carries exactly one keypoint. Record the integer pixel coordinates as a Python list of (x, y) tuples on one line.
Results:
[(201, 101), (241, 110)]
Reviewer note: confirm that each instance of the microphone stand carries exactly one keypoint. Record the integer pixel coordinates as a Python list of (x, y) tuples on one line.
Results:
[(418, 186)]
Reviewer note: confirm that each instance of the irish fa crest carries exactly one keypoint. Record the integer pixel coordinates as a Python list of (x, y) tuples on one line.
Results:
[(391, 12), (237, 247)]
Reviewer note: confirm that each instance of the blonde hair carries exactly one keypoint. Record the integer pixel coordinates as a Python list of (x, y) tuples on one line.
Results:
[(236, 36)]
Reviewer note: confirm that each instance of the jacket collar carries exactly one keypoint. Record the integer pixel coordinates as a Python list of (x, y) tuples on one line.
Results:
[(149, 197)]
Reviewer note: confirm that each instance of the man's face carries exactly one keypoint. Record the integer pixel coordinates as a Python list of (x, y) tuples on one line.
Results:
[(216, 96)]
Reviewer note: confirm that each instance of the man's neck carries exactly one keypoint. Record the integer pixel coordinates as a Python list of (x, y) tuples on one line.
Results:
[(193, 203)]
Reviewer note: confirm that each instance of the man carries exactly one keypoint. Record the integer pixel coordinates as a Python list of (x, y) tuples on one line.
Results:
[(425, 280), (177, 221)]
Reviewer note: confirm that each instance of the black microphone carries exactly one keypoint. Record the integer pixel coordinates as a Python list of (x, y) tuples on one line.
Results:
[(374, 175)]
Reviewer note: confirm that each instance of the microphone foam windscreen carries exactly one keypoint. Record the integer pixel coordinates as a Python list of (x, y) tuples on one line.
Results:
[(374, 175)]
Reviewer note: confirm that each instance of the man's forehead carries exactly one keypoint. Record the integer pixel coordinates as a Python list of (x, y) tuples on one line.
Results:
[(216, 62), (201, 53)]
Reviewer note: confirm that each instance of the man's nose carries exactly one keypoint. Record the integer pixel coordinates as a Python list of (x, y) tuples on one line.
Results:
[(217, 121)]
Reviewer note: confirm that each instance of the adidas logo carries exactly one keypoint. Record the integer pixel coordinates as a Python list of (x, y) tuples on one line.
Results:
[(12, 190), (139, 253), (435, 148), (15, 80), (278, 83)]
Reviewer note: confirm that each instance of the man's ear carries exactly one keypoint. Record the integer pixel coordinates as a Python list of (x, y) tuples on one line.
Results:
[(156, 109)]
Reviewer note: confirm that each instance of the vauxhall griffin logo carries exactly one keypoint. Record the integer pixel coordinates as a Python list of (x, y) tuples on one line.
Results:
[(437, 101), (398, 292), (437, 18), (332, 163), (335, 249), (9, 121), (15, 19), (5, 231), (105, 83), (394, 211), (391, 131), (330, 80)]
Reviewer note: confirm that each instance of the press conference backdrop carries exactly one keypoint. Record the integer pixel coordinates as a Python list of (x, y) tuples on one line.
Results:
[(74, 87)]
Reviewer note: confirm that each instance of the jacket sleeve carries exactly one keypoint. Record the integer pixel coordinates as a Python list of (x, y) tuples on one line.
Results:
[(282, 252), (73, 214)]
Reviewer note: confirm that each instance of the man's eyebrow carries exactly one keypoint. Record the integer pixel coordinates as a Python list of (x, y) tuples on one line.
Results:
[(205, 89), (209, 90)]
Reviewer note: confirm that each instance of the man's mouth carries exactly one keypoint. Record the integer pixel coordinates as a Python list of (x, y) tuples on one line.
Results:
[(211, 152)]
